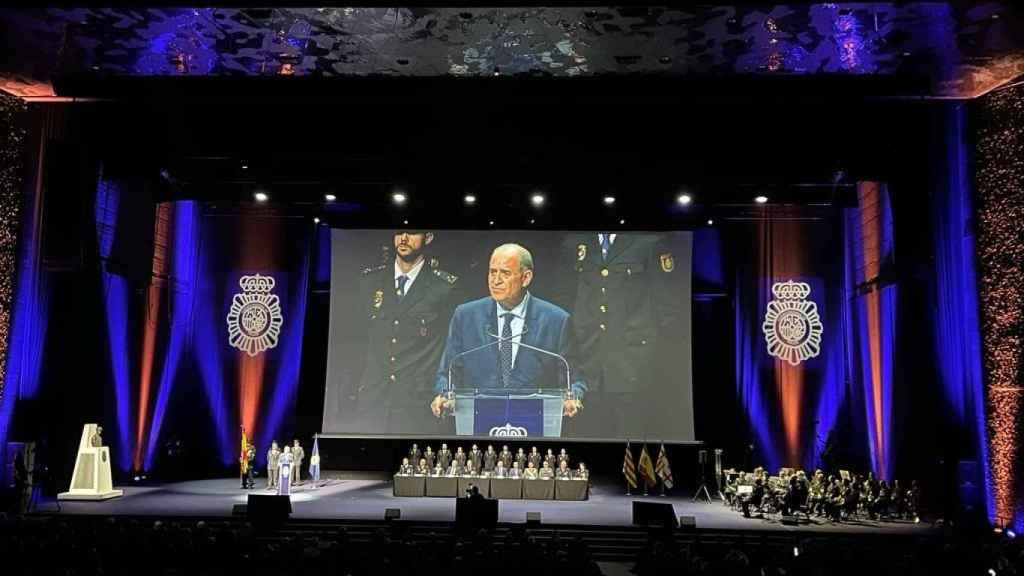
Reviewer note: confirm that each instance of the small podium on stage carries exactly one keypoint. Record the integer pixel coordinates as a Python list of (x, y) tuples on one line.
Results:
[(518, 413), (92, 479)]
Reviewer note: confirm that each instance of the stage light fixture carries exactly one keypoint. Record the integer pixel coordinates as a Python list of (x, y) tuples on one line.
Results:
[(405, 222), (684, 199), (711, 222), (609, 200), (330, 197), (469, 199), (622, 221), (537, 199), (399, 198), (260, 196), (532, 221), (316, 220), (245, 166), (491, 222), (762, 199)]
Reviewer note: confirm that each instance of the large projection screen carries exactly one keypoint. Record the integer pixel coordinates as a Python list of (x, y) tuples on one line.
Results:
[(500, 310)]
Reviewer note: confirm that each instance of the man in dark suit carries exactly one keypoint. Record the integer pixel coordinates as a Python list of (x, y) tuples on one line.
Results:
[(625, 297), (509, 312), (404, 306), (444, 456), (490, 459), (505, 456), (476, 457)]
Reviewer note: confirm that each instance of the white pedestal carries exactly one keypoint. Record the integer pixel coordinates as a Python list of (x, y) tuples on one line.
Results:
[(92, 479)]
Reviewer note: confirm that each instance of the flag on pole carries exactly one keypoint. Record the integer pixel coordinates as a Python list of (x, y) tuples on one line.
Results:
[(629, 469), (647, 468), (243, 455), (663, 470), (314, 462)]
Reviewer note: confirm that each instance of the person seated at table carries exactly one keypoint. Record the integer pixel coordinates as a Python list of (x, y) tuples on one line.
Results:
[(550, 460), (546, 473), (460, 457), (521, 459), (438, 470), (563, 472), (582, 473), (500, 471), (563, 456), (405, 469), (455, 469), (470, 469), (531, 472), (423, 469), (516, 471)]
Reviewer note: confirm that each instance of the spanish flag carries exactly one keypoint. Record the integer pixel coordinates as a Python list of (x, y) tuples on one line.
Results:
[(244, 456), (647, 468), (629, 469)]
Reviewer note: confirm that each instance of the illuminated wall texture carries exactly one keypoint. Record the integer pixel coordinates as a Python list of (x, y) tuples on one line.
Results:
[(999, 189)]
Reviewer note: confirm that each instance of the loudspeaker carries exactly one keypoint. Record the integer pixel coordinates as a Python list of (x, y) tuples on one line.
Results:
[(790, 520), (269, 508), (533, 517), (653, 514), (687, 522), (392, 514), (472, 514), (239, 510)]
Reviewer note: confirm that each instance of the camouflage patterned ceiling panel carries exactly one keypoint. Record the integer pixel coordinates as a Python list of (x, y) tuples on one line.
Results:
[(963, 51)]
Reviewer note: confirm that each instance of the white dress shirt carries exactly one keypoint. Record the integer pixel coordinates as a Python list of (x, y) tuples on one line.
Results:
[(411, 274), (600, 242), (518, 320)]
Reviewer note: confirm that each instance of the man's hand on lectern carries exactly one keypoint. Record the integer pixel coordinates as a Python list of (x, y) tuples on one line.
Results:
[(441, 405), (571, 406)]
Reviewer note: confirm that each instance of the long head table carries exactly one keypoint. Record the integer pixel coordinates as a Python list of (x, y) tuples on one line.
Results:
[(498, 488)]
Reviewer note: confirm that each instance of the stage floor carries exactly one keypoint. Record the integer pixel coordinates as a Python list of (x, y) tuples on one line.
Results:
[(361, 497)]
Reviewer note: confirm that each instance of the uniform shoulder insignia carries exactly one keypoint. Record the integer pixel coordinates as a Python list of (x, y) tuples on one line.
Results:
[(371, 269), (446, 276)]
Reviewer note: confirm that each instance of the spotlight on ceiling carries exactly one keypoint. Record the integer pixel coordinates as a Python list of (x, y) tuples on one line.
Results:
[(762, 199), (469, 199), (609, 200), (711, 222), (491, 222), (399, 198), (622, 222), (532, 221), (405, 222), (316, 220), (330, 197), (684, 199), (260, 196), (537, 199)]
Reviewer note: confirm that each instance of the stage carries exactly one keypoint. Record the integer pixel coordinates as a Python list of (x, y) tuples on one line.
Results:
[(362, 496)]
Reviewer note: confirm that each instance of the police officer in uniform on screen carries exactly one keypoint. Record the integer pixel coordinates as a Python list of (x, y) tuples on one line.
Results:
[(406, 304), (622, 291)]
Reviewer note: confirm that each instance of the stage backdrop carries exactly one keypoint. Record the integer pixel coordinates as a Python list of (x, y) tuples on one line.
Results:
[(618, 311)]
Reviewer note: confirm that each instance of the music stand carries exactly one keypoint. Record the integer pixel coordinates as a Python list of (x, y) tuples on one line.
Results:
[(702, 490)]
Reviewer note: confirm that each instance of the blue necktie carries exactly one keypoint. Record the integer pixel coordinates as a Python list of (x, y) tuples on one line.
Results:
[(401, 286), (505, 349), (606, 245)]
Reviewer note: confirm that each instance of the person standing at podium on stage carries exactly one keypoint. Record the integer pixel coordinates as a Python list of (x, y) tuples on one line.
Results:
[(511, 313), (284, 486), (404, 306)]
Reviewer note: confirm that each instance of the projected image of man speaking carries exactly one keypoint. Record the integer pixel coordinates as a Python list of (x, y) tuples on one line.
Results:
[(509, 316)]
